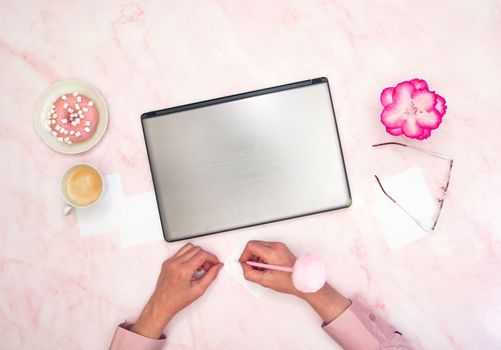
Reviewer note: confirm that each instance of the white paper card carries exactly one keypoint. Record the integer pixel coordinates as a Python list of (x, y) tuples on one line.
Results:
[(410, 190), (140, 221), (233, 267), (103, 216)]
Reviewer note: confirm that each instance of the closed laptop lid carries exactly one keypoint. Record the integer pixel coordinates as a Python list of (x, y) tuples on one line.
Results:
[(245, 160)]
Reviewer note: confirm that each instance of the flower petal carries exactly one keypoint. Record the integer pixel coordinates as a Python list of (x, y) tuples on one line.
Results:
[(394, 131), (424, 100), (419, 83), (429, 120), (425, 134), (402, 94), (411, 129), (441, 107), (386, 96), (392, 117)]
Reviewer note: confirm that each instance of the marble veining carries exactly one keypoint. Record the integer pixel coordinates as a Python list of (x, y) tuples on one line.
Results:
[(59, 290)]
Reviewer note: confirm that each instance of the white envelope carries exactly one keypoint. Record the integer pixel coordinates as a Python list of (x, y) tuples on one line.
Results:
[(410, 190), (140, 221)]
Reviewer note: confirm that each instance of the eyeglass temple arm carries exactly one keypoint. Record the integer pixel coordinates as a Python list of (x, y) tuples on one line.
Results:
[(382, 188), (416, 148), (445, 188), (408, 214)]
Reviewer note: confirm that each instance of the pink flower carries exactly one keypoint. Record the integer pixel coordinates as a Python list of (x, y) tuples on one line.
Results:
[(411, 109)]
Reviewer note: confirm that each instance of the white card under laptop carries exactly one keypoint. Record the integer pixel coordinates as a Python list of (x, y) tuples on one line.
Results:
[(246, 159)]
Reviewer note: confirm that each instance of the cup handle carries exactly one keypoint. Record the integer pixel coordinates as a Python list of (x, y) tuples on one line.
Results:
[(67, 210)]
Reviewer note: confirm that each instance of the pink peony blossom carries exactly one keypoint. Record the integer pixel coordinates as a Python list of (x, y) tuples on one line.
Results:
[(411, 109)]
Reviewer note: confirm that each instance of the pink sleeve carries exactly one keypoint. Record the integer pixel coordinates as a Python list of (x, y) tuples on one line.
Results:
[(124, 339), (359, 328)]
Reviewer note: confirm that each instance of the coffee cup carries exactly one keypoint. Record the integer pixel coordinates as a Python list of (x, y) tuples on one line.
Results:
[(81, 187)]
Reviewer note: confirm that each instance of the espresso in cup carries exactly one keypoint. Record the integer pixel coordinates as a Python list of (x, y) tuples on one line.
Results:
[(82, 185)]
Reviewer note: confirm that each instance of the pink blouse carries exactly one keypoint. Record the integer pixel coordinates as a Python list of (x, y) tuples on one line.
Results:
[(356, 328)]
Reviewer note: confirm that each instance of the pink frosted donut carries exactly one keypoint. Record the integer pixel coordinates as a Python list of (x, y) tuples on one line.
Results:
[(309, 273), (72, 118)]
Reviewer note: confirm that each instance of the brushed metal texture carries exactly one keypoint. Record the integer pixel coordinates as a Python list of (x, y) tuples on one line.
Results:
[(246, 162)]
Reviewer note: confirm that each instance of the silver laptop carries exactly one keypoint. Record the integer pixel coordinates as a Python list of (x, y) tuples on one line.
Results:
[(246, 159)]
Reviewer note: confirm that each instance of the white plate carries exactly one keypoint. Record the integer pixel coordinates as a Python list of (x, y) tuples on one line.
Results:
[(44, 102)]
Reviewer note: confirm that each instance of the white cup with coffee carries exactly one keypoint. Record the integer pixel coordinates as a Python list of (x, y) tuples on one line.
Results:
[(81, 187)]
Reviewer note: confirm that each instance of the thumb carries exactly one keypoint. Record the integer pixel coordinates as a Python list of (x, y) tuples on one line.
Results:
[(251, 274), (205, 281)]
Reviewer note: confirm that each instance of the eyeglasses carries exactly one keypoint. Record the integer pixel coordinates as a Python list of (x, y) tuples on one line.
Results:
[(444, 188)]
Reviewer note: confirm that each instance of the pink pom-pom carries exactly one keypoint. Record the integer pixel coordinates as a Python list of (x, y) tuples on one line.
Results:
[(309, 273)]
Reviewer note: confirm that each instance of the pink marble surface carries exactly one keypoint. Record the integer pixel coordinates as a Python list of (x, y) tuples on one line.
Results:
[(59, 290)]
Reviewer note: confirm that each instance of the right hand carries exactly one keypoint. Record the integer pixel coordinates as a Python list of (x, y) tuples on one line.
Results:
[(327, 302), (275, 253)]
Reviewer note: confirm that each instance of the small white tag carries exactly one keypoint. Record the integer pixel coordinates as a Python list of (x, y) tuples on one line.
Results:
[(233, 267)]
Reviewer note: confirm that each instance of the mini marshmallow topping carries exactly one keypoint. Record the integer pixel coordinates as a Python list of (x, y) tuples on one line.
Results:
[(67, 110)]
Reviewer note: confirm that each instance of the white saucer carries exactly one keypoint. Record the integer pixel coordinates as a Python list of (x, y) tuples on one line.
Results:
[(43, 106)]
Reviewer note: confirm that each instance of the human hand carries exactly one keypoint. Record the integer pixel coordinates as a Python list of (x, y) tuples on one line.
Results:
[(274, 253), (177, 288), (327, 302)]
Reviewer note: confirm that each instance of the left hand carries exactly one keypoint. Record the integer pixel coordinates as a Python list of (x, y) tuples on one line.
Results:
[(177, 288)]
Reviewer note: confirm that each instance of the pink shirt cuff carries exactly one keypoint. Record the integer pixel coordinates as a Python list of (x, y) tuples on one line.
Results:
[(358, 328), (124, 339)]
